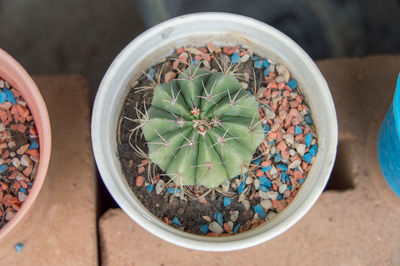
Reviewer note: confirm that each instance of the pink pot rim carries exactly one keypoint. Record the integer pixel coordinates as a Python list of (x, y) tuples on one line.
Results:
[(12, 72)]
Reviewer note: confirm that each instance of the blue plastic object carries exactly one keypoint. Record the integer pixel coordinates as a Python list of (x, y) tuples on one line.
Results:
[(389, 143)]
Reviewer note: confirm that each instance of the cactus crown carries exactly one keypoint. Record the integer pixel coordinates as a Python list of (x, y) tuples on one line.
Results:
[(202, 127)]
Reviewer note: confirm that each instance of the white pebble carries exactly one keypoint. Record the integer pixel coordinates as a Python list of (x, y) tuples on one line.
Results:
[(266, 204), (206, 64), (269, 112), (25, 160), (292, 152), (160, 186), (289, 139), (282, 70), (215, 227), (244, 58), (9, 215), (300, 148), (246, 204), (234, 216), (256, 184), (11, 144), (272, 195), (225, 185), (273, 170), (16, 162), (270, 215), (244, 85), (295, 164), (20, 176), (2, 128), (230, 225), (193, 50), (282, 188), (22, 196), (249, 180)]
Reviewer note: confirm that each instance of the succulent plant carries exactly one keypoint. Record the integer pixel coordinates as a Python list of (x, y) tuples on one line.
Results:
[(202, 128)]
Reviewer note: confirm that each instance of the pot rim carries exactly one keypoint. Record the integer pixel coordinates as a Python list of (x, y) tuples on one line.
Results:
[(135, 210)]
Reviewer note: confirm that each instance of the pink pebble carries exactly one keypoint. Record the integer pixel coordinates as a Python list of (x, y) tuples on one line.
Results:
[(139, 181), (282, 146)]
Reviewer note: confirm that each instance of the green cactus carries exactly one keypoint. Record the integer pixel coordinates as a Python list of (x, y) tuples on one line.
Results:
[(202, 127)]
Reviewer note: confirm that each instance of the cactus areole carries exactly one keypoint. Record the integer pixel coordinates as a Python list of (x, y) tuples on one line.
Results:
[(202, 128)]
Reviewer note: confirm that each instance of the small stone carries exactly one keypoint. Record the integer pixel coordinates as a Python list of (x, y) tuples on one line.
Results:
[(249, 180), (225, 185), (139, 181), (160, 186), (25, 161), (300, 148), (141, 169), (16, 162), (256, 184), (270, 215), (22, 196), (20, 176), (234, 216), (244, 85), (230, 225), (11, 144), (246, 204), (169, 76), (282, 188), (19, 247), (215, 227), (295, 164), (23, 149), (272, 195), (266, 204), (244, 58), (206, 218), (9, 215)]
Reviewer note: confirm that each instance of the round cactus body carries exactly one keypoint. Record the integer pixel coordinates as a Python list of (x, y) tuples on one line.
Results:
[(202, 127)]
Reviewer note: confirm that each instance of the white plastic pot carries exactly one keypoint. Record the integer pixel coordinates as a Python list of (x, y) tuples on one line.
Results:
[(197, 30)]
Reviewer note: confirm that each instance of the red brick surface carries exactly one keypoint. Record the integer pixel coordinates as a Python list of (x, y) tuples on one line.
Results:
[(61, 229), (357, 226)]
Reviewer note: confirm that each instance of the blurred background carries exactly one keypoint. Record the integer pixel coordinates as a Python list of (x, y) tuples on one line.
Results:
[(75, 36), (83, 37)]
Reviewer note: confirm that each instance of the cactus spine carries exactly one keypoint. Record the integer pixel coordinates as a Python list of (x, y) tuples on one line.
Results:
[(202, 127)]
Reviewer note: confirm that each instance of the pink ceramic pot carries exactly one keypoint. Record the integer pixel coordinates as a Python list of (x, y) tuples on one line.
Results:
[(12, 72)]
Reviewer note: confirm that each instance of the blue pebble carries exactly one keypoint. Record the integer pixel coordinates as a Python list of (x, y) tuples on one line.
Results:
[(23, 190), (279, 197), (10, 96), (171, 190), (308, 120), (204, 228), (236, 228), (256, 161), (265, 181), (19, 247), (219, 218), (2, 97), (266, 168), (235, 58), (284, 177), (260, 211), (298, 130), (255, 58), (313, 150), (271, 142), (266, 72), (283, 166), (176, 221), (278, 157), (149, 188), (29, 183), (265, 63), (292, 83), (33, 145), (3, 168), (264, 188), (289, 187), (227, 201), (258, 64), (241, 187), (307, 157), (150, 73), (308, 140), (301, 180), (267, 128), (194, 62)]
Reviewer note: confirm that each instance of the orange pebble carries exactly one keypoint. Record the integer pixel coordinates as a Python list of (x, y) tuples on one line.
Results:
[(21, 128), (266, 163), (259, 173), (227, 228), (3, 185), (211, 48), (180, 50), (212, 234), (166, 220), (139, 181), (145, 161), (33, 152)]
